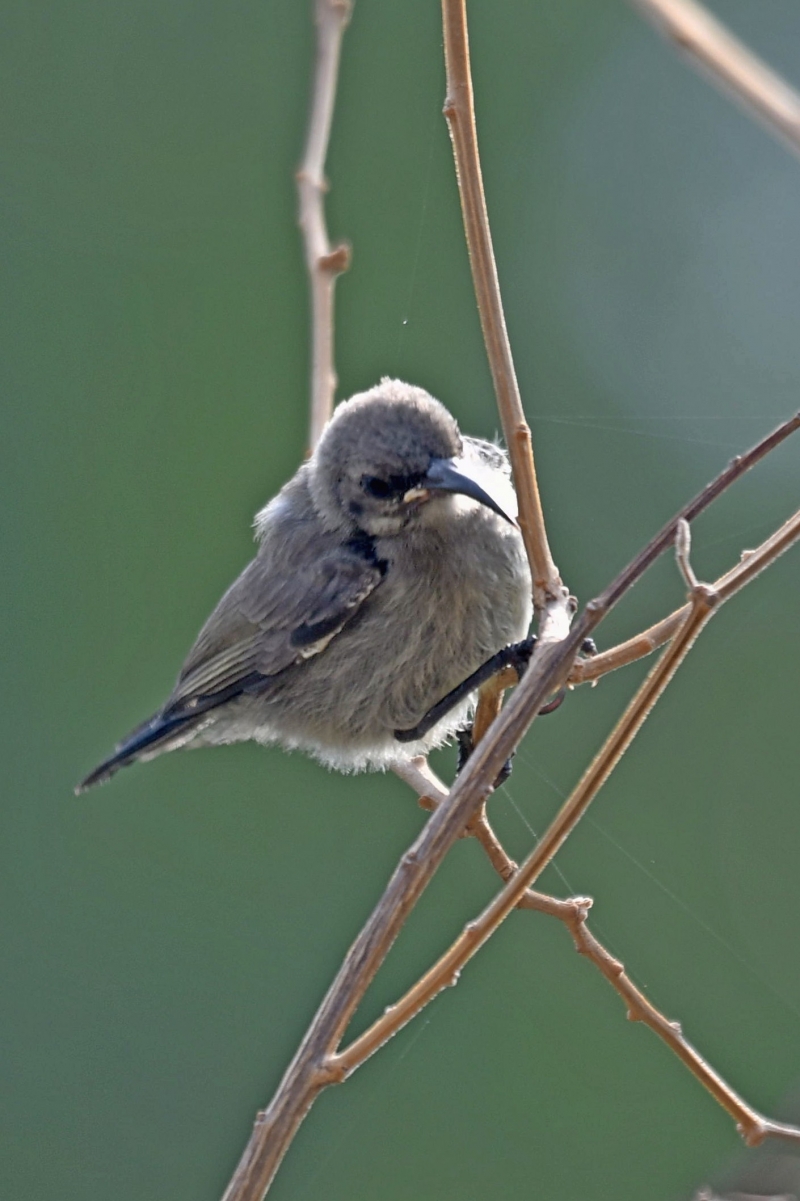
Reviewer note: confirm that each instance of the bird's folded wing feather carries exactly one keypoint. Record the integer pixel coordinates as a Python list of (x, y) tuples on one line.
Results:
[(273, 616)]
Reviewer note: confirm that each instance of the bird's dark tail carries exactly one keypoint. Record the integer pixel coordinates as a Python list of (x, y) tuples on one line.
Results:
[(147, 740)]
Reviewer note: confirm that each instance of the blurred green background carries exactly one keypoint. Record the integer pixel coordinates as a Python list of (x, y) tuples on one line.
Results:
[(165, 940)]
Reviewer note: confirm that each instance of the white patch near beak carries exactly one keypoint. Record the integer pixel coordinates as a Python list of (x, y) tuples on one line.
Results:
[(416, 494)]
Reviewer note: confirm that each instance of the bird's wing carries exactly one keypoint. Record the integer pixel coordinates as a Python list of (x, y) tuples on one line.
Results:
[(271, 618)]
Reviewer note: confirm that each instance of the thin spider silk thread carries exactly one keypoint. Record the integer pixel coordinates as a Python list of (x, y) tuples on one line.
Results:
[(420, 229), (356, 1121)]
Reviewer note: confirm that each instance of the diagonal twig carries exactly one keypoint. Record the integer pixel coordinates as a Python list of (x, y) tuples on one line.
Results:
[(587, 670), (729, 63), (573, 913), (324, 262)]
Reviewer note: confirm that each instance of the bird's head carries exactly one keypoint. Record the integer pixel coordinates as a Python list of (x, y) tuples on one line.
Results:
[(387, 457)]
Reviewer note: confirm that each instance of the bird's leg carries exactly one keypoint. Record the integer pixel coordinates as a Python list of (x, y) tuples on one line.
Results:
[(517, 655)]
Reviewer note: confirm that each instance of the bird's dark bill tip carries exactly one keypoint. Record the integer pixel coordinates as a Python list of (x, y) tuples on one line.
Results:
[(99, 776)]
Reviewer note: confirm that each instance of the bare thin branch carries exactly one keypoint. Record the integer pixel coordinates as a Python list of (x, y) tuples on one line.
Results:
[(573, 912), (666, 535), (549, 595), (683, 548), (585, 671), (711, 47), (752, 1125), (323, 261)]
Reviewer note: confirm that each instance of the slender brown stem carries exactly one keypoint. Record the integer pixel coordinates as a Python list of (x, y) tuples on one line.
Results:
[(573, 913), (446, 970), (550, 596), (729, 63), (586, 670), (490, 701), (665, 536), (324, 262), (752, 1125)]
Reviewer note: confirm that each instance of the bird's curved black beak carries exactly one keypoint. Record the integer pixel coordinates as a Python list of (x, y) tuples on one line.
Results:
[(454, 475)]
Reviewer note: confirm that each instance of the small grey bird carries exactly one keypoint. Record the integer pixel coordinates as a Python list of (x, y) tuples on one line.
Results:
[(389, 569)]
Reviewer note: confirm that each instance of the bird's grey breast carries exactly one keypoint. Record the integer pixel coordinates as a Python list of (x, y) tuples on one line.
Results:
[(451, 597), (455, 594)]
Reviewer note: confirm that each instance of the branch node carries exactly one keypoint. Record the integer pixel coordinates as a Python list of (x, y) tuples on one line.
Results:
[(331, 1071), (707, 595), (596, 608), (337, 261)]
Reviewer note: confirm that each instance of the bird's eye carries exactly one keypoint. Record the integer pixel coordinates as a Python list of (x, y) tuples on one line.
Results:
[(373, 485)]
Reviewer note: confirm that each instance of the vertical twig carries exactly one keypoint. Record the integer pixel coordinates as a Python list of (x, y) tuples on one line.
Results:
[(323, 261), (550, 598), (748, 80)]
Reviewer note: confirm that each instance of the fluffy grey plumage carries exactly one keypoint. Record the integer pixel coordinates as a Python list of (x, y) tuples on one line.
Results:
[(387, 572)]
